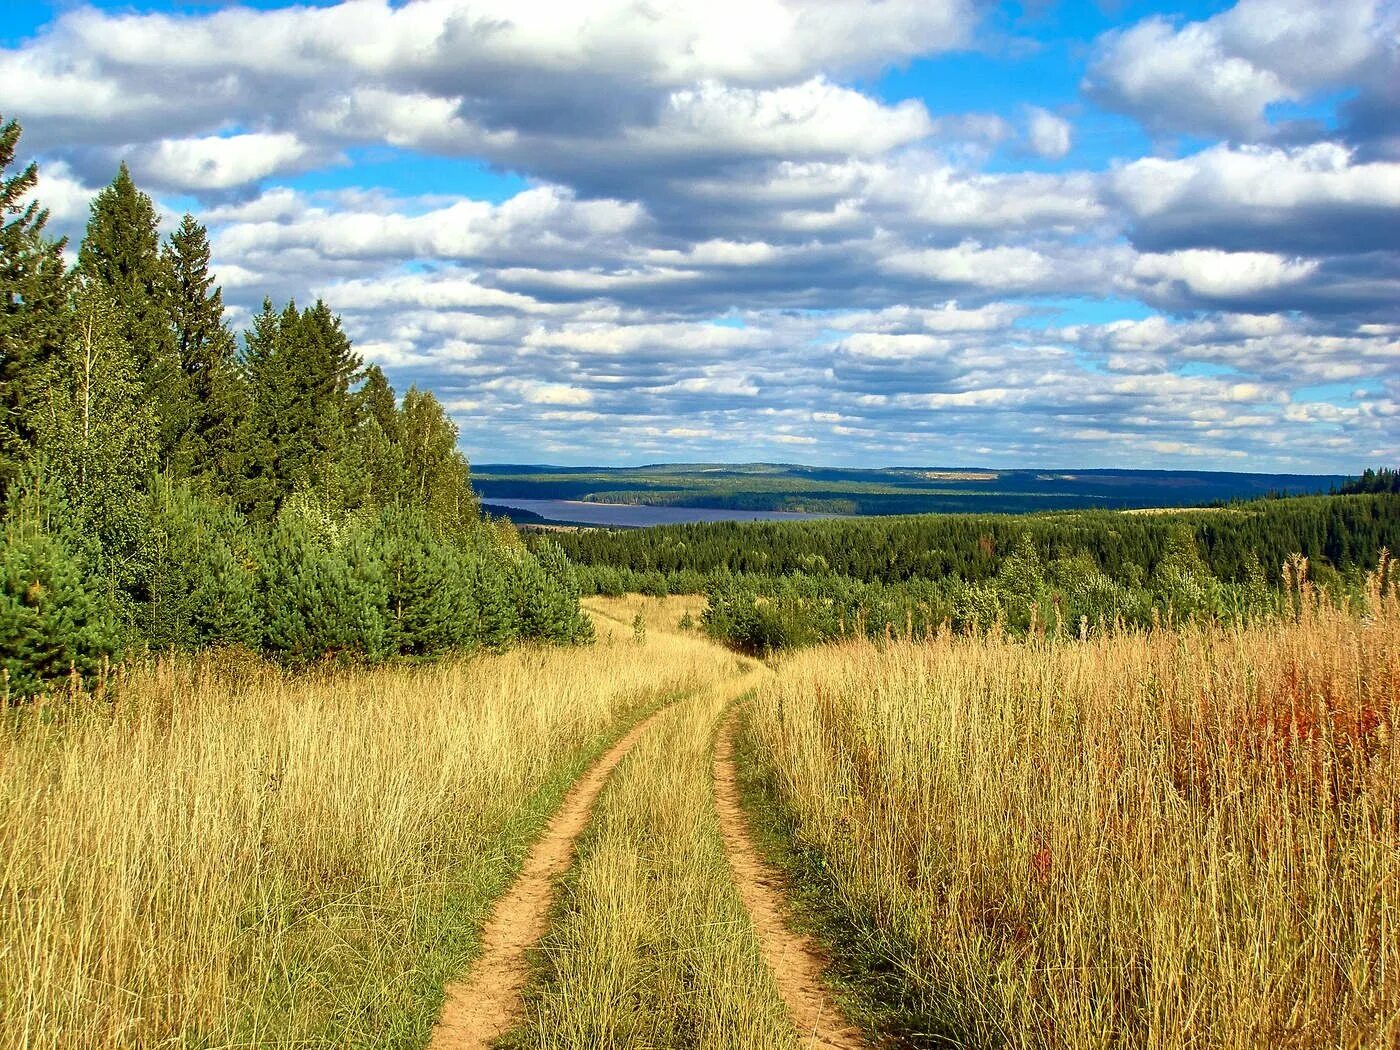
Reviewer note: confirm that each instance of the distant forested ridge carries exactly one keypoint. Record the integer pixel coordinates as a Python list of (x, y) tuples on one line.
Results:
[(164, 487), (888, 490), (772, 585), (1342, 532)]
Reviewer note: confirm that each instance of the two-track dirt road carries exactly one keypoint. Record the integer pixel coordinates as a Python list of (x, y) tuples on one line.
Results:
[(488, 1001)]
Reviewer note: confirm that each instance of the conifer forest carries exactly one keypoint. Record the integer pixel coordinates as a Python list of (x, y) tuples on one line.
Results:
[(170, 487)]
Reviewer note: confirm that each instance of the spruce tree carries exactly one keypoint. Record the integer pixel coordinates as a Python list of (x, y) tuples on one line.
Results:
[(299, 368), (121, 254), (262, 484), (378, 441), (205, 440), (34, 314)]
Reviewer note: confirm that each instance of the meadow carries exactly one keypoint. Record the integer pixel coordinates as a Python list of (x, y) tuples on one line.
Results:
[(229, 854), (1183, 838)]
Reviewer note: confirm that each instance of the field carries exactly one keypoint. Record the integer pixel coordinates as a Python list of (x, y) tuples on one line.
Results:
[(231, 855), (1170, 838)]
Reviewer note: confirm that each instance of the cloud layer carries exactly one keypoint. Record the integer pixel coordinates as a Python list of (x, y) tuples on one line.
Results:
[(723, 234)]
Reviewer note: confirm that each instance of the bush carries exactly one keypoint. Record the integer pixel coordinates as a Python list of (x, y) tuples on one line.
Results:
[(322, 598), (52, 624)]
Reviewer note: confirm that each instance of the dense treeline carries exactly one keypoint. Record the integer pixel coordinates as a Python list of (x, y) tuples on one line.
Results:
[(1066, 596), (1383, 480), (1336, 533), (164, 488), (772, 585)]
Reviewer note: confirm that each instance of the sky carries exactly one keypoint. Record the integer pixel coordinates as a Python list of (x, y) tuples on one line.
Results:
[(849, 232)]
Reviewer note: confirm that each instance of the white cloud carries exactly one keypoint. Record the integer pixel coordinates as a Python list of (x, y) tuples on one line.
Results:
[(1219, 75), (220, 162), (1050, 136), (815, 118), (971, 264), (1307, 196), (1221, 275)]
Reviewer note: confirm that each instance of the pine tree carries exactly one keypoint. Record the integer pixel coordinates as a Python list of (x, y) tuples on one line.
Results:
[(496, 616), (34, 315), (121, 254), (204, 442), (199, 584), (53, 622), (429, 606), (320, 599)]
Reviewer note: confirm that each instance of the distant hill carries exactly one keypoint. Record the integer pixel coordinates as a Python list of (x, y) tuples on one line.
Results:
[(885, 490)]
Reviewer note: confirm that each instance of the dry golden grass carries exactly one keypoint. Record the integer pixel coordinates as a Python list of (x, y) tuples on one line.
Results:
[(225, 857), (1163, 840)]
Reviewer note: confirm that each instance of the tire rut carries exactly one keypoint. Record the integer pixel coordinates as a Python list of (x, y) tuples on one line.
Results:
[(794, 959), (486, 1003)]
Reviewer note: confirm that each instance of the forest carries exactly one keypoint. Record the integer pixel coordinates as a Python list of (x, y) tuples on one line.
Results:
[(166, 486), (774, 585)]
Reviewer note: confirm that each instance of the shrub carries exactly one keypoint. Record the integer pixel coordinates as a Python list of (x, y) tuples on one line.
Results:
[(52, 624), (319, 597)]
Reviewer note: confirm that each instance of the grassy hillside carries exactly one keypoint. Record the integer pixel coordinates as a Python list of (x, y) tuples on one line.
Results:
[(234, 855), (1167, 839)]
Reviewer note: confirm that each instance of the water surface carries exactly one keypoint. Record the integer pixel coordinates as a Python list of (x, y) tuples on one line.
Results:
[(624, 514)]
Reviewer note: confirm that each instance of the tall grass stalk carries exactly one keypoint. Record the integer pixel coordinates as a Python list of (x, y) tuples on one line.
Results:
[(1161, 839)]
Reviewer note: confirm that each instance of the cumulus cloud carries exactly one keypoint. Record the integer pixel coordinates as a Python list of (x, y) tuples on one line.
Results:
[(1213, 274), (556, 88), (219, 162), (1049, 136), (1219, 76), (724, 243), (1312, 198)]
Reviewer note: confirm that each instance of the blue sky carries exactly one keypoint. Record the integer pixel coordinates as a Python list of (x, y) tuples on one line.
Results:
[(1120, 233)]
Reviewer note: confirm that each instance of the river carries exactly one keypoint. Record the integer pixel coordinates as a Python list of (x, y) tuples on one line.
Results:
[(628, 514)]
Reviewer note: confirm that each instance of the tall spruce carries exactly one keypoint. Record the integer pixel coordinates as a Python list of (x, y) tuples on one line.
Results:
[(260, 486), (299, 368), (34, 314), (121, 254), (330, 369), (205, 441)]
